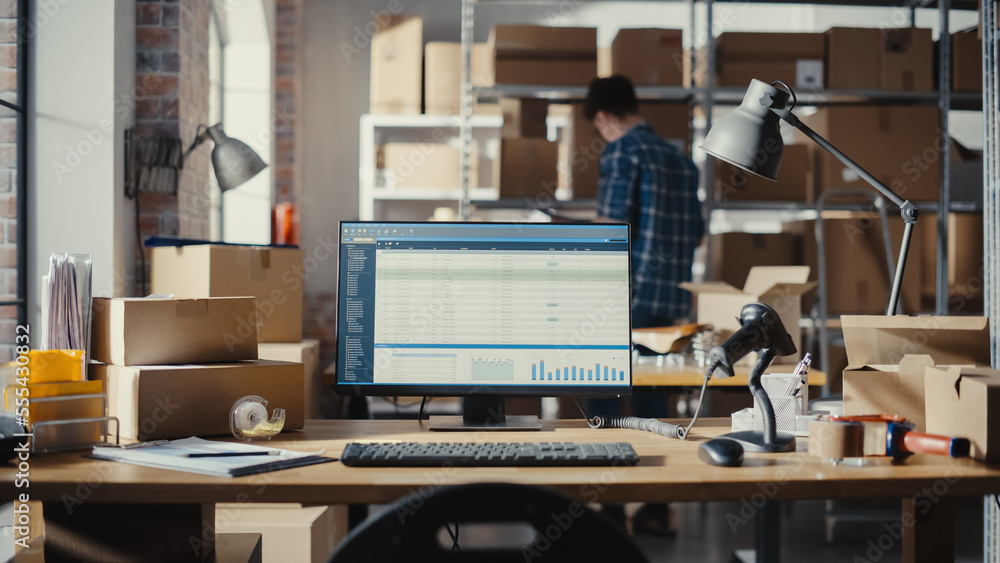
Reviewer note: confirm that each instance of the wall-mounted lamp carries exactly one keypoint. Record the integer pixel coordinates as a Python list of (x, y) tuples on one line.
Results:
[(234, 161)]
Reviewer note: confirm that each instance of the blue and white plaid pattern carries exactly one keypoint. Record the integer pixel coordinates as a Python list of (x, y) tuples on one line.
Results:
[(653, 185)]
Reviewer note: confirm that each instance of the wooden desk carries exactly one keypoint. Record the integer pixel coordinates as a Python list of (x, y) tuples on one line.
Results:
[(667, 375), (669, 471)]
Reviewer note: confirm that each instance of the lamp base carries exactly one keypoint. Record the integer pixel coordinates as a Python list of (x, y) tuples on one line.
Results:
[(753, 441)]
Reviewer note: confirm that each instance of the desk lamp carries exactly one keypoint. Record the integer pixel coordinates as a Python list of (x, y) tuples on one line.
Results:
[(234, 161), (749, 138), (760, 331)]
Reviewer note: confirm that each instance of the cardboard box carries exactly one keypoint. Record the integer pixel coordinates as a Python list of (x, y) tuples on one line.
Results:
[(851, 60), (887, 357), (780, 287), (173, 331), (527, 168), (966, 61), (603, 62), (167, 402), (305, 353), (965, 402), (443, 78), (734, 254), (544, 72), (794, 182), (580, 163), (426, 165), (529, 54), (649, 56), (291, 533), (896, 144), (907, 59), (272, 275), (396, 54), (742, 56), (857, 270), (524, 118)]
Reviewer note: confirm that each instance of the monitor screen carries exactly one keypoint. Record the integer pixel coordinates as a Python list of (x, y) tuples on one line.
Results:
[(484, 308)]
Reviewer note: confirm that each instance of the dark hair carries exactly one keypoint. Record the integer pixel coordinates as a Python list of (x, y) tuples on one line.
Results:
[(614, 95)]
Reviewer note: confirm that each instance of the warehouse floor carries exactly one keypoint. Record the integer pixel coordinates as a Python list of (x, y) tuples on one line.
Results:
[(711, 532)]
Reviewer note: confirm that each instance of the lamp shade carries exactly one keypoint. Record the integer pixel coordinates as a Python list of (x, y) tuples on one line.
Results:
[(234, 161), (749, 137)]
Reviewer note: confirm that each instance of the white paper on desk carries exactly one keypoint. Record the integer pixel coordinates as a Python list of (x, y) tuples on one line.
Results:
[(173, 456)]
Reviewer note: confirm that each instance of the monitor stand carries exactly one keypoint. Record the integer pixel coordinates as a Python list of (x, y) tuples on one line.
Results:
[(484, 412)]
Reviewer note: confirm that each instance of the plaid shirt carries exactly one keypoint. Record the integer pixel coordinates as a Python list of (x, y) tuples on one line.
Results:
[(652, 185)]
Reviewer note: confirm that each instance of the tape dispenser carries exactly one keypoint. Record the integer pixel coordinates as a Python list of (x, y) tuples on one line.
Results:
[(248, 420)]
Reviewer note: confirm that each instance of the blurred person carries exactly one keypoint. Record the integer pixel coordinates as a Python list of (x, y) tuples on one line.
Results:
[(652, 185)]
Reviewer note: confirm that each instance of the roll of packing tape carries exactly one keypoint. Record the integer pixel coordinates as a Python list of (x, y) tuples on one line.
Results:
[(249, 420)]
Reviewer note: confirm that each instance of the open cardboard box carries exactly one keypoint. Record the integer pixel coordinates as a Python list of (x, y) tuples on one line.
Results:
[(965, 402), (780, 287), (888, 356)]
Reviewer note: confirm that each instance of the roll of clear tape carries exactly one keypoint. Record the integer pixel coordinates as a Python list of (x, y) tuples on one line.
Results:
[(248, 420)]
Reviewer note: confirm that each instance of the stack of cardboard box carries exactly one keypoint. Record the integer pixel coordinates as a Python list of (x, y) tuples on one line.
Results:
[(527, 161), (174, 368), (273, 275)]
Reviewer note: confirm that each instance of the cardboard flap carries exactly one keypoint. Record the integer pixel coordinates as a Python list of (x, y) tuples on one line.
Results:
[(763, 278), (877, 339), (709, 287), (789, 289), (915, 365)]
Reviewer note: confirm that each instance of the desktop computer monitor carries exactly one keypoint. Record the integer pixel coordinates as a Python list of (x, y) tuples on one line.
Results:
[(484, 311)]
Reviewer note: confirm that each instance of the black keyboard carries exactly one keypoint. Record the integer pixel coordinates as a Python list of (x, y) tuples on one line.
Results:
[(469, 454)]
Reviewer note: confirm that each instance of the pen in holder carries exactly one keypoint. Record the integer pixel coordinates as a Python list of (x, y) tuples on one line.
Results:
[(248, 419)]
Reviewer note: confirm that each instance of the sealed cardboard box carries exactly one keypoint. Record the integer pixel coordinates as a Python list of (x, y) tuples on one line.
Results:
[(524, 117), (527, 168), (443, 75), (272, 275), (396, 55), (851, 60), (173, 331), (649, 56), (964, 402), (887, 357), (966, 61), (305, 353), (290, 533), (734, 254), (167, 402), (780, 287), (794, 58), (794, 182), (857, 268), (896, 144), (529, 54), (907, 59), (425, 165)]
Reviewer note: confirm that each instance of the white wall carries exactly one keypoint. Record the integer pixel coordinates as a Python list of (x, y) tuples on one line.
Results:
[(81, 99)]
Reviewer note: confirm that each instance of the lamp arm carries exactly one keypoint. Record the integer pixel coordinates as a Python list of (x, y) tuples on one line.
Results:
[(199, 138), (907, 210)]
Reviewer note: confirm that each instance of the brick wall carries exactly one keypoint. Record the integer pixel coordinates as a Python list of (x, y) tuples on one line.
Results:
[(171, 101), (8, 176), (287, 96)]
